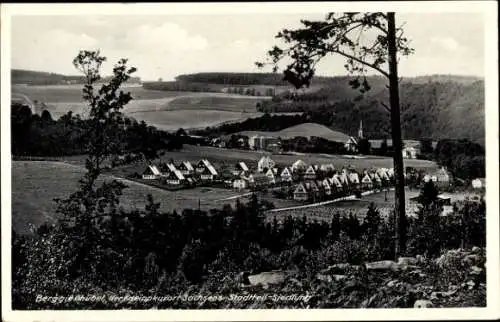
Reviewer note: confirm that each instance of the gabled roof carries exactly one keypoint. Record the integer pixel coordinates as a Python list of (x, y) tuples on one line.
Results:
[(326, 184), (270, 172), (311, 185), (153, 170), (310, 170), (243, 166), (176, 175), (352, 140), (366, 179), (299, 164), (336, 180), (188, 165), (354, 177), (171, 167), (300, 188), (286, 172), (210, 167)]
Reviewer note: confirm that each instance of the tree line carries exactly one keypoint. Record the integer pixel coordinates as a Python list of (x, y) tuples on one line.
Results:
[(41, 135)]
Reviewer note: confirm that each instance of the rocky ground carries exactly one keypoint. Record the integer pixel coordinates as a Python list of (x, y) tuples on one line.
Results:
[(456, 279)]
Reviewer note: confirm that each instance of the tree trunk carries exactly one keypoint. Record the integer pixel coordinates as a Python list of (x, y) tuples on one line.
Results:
[(397, 142)]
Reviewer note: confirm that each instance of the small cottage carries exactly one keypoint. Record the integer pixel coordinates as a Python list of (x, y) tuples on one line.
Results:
[(175, 178), (240, 184), (151, 173), (186, 168), (240, 169), (310, 173), (300, 193), (286, 175), (479, 183), (264, 164), (258, 180), (366, 182), (270, 176), (299, 166)]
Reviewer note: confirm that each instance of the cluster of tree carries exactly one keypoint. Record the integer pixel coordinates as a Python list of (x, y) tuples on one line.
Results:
[(20, 76), (35, 135), (251, 91), (181, 87), (313, 145), (464, 158), (168, 252)]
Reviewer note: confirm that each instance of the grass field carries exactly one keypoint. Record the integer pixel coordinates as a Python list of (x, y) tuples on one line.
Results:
[(164, 109), (226, 156), (36, 183)]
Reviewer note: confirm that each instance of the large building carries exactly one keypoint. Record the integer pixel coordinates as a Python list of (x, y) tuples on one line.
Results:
[(258, 142)]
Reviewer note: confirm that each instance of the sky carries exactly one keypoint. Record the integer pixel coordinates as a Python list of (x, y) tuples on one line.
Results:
[(166, 46)]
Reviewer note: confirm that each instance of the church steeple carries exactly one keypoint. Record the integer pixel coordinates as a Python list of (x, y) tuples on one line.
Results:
[(360, 131)]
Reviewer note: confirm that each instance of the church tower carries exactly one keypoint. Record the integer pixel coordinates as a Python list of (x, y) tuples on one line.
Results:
[(360, 131)]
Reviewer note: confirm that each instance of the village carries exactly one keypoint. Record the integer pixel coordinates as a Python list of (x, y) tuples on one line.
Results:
[(299, 181)]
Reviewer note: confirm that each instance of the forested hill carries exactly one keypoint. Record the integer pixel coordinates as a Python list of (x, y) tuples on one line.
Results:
[(449, 108), (30, 77)]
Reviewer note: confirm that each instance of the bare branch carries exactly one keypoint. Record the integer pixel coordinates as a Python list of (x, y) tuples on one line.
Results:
[(383, 72)]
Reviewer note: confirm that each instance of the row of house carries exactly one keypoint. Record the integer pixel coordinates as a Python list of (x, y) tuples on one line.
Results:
[(183, 173), (345, 181)]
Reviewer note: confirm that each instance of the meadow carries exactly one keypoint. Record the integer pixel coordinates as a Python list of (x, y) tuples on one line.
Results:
[(36, 183), (166, 110)]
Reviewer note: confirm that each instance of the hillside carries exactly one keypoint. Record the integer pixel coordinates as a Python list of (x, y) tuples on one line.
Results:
[(304, 130), (29, 77), (451, 109)]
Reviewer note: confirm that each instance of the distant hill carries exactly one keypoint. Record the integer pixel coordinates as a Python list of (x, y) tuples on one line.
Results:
[(452, 107), (273, 79), (306, 130), (29, 77)]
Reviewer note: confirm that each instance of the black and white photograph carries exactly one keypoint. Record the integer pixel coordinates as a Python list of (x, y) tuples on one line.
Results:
[(266, 157)]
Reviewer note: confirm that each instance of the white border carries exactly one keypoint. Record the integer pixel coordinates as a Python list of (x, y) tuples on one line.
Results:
[(488, 8)]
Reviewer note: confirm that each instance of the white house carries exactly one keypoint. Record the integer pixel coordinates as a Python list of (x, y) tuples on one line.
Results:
[(310, 173), (479, 183), (382, 173), (186, 168), (286, 175), (240, 168), (206, 170), (270, 176), (326, 187), (351, 144), (151, 173), (175, 177), (240, 184), (300, 193), (410, 152), (299, 165), (367, 181), (327, 167), (265, 163), (354, 177)]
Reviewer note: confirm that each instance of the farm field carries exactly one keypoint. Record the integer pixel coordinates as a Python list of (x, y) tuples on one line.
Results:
[(36, 183), (166, 110)]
